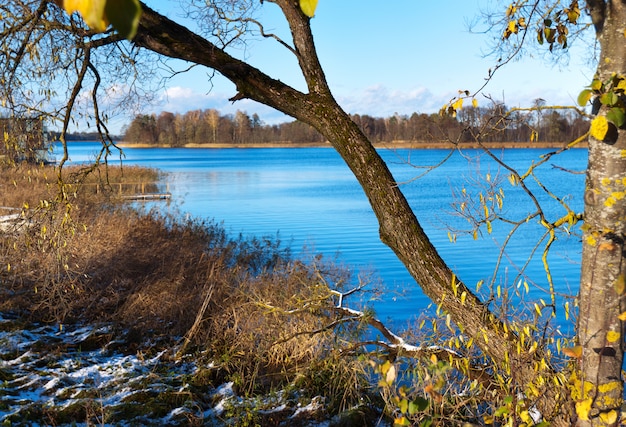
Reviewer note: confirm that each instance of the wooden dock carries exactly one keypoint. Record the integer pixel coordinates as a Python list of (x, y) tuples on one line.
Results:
[(137, 190), (148, 196)]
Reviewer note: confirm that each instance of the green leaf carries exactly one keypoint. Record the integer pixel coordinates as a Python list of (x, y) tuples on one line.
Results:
[(427, 422), (501, 411), (418, 405), (308, 7), (609, 98), (124, 16), (584, 97), (617, 116), (404, 405)]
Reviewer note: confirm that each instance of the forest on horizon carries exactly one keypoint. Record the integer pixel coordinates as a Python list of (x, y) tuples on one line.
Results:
[(486, 124)]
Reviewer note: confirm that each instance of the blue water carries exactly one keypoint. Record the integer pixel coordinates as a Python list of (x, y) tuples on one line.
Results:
[(311, 199)]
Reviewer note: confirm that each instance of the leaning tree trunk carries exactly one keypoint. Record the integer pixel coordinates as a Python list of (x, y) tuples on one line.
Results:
[(597, 388), (399, 228)]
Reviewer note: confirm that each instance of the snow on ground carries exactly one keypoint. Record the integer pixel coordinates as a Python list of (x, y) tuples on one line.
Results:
[(45, 370), (52, 375)]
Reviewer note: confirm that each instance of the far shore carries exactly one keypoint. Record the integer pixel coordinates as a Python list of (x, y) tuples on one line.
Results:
[(391, 145)]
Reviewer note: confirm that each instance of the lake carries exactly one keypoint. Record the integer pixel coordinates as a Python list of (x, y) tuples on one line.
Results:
[(310, 197)]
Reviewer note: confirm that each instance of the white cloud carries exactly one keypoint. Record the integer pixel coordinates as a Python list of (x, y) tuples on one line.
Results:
[(178, 99), (381, 101)]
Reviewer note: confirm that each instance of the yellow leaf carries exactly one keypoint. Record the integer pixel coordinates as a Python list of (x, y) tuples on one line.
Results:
[(458, 104), (511, 10), (575, 352), (475, 103), (612, 336), (599, 127), (620, 284), (525, 417), (385, 367), (308, 7), (92, 12), (583, 408), (596, 84), (609, 418), (401, 421), (622, 316), (391, 375)]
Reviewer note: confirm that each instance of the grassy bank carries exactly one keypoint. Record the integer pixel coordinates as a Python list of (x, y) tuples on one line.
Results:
[(259, 319)]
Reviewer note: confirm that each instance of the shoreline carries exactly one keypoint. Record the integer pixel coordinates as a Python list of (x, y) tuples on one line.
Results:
[(391, 145)]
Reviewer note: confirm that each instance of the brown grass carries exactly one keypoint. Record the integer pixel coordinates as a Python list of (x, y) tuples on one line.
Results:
[(241, 303)]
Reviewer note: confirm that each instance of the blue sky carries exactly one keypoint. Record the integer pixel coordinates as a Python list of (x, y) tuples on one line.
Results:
[(407, 56)]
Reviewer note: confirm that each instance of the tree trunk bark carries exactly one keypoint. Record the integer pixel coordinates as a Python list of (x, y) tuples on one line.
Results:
[(597, 387)]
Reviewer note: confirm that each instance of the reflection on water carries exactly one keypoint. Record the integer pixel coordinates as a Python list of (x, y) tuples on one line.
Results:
[(310, 198)]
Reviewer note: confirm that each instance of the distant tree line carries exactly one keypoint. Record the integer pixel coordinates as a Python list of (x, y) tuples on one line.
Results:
[(488, 124), (209, 126)]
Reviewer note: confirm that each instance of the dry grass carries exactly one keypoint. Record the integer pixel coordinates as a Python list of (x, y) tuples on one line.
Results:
[(241, 303)]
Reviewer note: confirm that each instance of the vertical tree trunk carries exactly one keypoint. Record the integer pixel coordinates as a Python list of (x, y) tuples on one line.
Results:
[(597, 388)]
